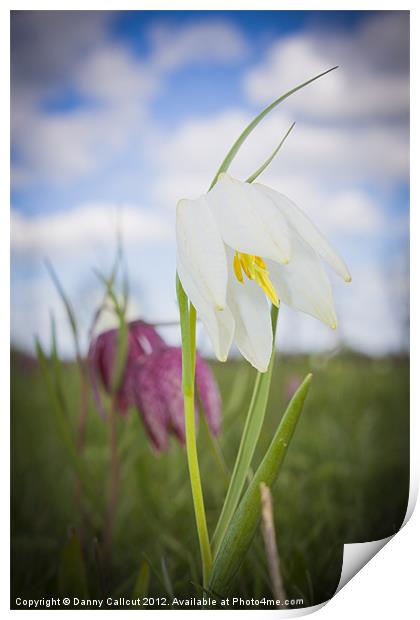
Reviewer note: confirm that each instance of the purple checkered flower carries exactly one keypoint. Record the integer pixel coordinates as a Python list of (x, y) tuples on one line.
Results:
[(158, 394), (143, 340)]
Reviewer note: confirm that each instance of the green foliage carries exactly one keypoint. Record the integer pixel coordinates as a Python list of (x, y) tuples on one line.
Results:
[(345, 479), (72, 580), (141, 587), (56, 404), (244, 523), (71, 316)]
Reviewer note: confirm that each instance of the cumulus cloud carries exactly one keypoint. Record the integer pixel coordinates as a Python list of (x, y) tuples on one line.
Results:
[(85, 227), (374, 311), (62, 148), (215, 40), (372, 81), (73, 52), (112, 74)]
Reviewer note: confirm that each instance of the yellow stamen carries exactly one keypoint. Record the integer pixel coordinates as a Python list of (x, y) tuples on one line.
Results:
[(264, 281), (255, 268), (247, 265), (259, 261), (237, 268)]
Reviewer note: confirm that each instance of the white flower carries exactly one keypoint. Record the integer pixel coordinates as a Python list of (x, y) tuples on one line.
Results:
[(242, 244)]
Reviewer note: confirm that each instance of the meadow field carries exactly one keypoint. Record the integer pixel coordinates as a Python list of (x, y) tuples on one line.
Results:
[(345, 479)]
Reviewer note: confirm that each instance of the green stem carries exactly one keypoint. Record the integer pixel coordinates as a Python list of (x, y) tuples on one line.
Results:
[(188, 324), (250, 435)]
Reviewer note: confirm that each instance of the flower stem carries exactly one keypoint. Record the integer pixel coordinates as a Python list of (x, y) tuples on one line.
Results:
[(113, 483), (188, 324)]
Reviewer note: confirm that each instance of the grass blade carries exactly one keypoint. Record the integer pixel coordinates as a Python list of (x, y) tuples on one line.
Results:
[(64, 427), (69, 308), (237, 145), (250, 435), (121, 357), (72, 579), (268, 161), (166, 577), (244, 523), (122, 338), (57, 368), (141, 587)]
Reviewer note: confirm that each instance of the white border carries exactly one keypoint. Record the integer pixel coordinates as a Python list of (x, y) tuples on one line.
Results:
[(388, 585)]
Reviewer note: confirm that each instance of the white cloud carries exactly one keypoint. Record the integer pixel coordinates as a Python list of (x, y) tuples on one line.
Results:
[(372, 81), (86, 227), (52, 53), (353, 212), (188, 156), (214, 40), (374, 310), (112, 74), (323, 169)]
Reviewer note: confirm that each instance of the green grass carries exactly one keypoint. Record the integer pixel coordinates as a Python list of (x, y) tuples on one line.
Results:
[(345, 479)]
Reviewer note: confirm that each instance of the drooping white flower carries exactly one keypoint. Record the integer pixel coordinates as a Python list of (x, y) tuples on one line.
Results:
[(242, 244)]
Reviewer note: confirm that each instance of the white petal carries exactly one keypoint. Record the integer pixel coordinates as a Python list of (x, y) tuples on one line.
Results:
[(307, 230), (201, 248), (303, 283), (253, 331), (248, 221), (219, 324)]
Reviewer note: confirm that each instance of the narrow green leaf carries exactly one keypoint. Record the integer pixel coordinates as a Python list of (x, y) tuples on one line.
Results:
[(99, 567), (125, 289), (245, 521), (63, 426), (57, 368), (268, 161), (122, 351), (141, 587), (157, 574), (237, 145), (72, 580), (122, 340), (166, 577), (250, 435), (69, 308)]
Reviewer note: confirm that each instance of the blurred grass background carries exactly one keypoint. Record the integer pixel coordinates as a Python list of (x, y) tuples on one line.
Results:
[(345, 479)]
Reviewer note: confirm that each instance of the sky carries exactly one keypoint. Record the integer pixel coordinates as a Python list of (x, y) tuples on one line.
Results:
[(118, 115)]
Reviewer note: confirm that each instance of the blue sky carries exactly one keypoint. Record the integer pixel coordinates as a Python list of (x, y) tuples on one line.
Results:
[(126, 112)]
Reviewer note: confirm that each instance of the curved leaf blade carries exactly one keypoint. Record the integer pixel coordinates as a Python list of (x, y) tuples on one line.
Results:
[(268, 161), (72, 577), (244, 523), (237, 145)]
